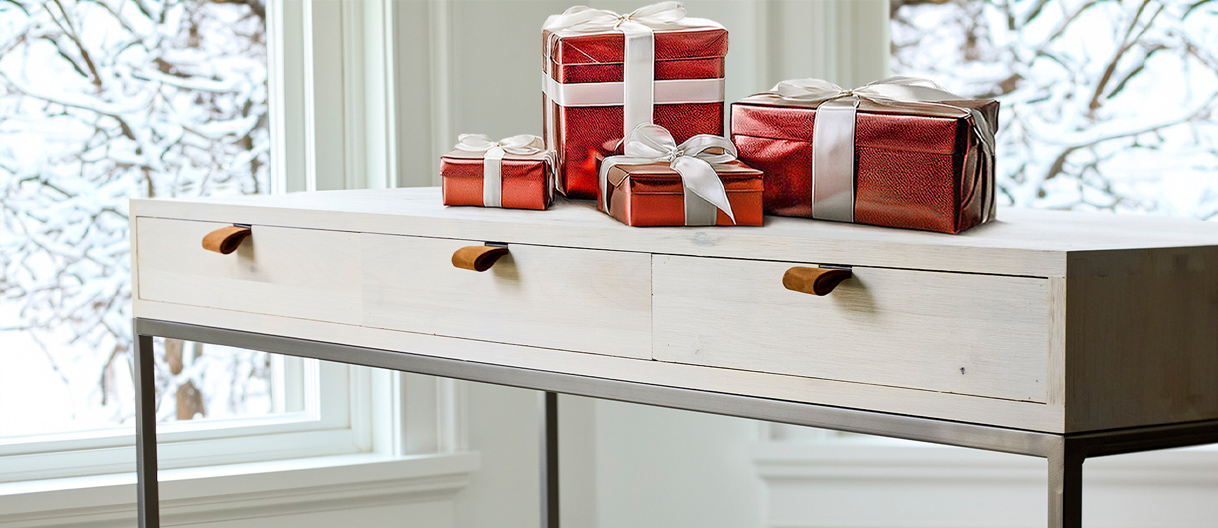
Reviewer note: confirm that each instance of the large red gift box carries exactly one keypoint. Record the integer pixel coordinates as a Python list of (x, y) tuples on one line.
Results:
[(584, 92), (916, 171), (526, 181)]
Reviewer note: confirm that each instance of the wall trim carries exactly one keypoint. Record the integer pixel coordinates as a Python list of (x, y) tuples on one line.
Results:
[(839, 482), (245, 491)]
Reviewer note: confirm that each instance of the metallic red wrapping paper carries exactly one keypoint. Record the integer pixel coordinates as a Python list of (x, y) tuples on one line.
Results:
[(576, 133), (911, 171), (526, 182), (653, 195)]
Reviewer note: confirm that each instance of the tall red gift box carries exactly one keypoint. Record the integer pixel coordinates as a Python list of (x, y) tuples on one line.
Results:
[(603, 75), (921, 157)]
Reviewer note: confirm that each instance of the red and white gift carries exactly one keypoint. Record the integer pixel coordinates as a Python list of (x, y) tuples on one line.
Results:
[(513, 173), (605, 74), (901, 152), (657, 182)]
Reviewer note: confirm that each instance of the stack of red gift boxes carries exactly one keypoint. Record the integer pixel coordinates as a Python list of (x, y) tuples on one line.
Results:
[(633, 118)]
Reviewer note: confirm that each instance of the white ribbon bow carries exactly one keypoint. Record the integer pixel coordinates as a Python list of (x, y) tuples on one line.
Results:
[(638, 64), (833, 133), (704, 191), (493, 153)]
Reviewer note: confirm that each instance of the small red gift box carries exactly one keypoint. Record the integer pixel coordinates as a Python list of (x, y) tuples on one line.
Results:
[(510, 174), (913, 156), (604, 76), (644, 192)]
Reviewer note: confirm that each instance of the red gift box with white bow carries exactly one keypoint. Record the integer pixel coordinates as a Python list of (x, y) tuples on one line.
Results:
[(605, 74)]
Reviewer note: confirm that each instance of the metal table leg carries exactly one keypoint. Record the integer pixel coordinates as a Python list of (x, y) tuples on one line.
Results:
[(145, 433), (1065, 453), (1065, 487), (549, 460)]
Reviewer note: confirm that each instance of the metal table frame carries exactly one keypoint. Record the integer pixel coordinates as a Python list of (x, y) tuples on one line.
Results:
[(1065, 453)]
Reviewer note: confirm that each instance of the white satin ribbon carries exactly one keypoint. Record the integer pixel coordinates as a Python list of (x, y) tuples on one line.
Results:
[(638, 65), (833, 132), (703, 190), (671, 91), (493, 152)]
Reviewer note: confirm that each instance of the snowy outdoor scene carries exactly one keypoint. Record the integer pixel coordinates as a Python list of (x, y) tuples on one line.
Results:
[(100, 102), (1106, 105)]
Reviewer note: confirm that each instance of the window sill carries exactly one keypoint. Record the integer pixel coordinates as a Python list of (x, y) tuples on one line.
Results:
[(240, 491)]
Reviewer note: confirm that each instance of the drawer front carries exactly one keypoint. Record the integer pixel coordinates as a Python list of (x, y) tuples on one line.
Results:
[(551, 297), (304, 273), (979, 335)]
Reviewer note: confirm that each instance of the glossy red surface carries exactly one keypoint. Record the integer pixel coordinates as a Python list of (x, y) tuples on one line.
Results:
[(912, 171), (608, 47), (579, 131), (653, 195), (526, 183), (582, 131)]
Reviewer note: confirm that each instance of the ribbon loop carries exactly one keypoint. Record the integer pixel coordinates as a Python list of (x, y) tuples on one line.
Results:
[(692, 160)]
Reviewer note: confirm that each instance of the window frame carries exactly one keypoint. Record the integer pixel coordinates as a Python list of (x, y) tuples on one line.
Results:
[(318, 51)]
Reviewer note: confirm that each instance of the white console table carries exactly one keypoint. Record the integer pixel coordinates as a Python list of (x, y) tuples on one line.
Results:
[(1050, 334)]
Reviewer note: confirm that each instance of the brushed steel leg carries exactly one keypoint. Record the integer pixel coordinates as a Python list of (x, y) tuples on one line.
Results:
[(549, 460), (1065, 487), (145, 433)]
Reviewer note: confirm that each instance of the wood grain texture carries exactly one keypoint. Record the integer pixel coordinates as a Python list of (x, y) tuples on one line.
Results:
[(574, 299), (948, 332), (1022, 242), (292, 272), (1007, 413), (1062, 321), (1141, 337)]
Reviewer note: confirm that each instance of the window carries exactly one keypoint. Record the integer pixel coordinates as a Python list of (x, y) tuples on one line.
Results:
[(102, 101), (1105, 105)]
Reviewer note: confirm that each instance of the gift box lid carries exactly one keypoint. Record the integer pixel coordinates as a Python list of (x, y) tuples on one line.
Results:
[(876, 126), (458, 154), (661, 172), (703, 41)]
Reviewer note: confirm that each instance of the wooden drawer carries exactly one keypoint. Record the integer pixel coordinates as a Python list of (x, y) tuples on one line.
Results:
[(551, 297), (981, 335), (303, 273)]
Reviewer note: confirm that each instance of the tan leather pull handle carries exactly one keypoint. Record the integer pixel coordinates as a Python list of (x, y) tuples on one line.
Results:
[(478, 258), (817, 281), (226, 239)]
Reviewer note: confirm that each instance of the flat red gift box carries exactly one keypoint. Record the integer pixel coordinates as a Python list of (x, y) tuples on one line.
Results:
[(911, 171), (527, 181), (652, 195), (577, 132)]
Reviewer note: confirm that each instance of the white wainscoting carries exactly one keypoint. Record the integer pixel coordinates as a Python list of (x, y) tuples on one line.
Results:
[(357, 490), (861, 482)]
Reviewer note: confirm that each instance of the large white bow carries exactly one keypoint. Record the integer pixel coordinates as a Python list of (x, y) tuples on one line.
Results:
[(583, 19), (692, 160), (493, 153), (522, 145), (833, 132)]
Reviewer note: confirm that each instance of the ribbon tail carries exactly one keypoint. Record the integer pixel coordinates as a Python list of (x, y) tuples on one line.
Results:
[(698, 177)]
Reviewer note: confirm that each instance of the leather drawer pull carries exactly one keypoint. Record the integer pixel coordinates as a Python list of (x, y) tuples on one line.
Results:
[(817, 281), (478, 258), (226, 239)]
